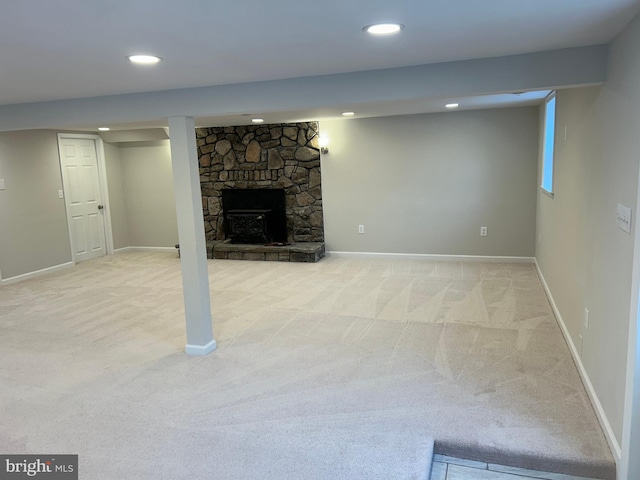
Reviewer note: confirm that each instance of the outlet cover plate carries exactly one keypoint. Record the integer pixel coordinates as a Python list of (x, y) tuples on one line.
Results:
[(623, 218)]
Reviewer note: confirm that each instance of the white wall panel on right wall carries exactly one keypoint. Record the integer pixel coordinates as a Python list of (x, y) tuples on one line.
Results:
[(586, 260)]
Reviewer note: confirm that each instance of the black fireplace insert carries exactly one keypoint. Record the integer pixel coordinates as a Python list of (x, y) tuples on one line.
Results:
[(255, 215)]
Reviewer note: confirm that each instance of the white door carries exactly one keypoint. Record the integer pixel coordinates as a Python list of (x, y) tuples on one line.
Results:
[(85, 210)]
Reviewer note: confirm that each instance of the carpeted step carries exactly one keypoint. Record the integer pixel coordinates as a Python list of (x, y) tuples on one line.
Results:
[(379, 456)]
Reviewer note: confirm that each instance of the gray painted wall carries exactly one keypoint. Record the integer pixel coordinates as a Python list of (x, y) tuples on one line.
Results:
[(427, 183), (585, 258), (33, 232), (117, 199), (148, 189)]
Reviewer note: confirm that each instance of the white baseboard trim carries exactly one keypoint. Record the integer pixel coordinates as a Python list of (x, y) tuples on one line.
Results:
[(148, 249), (593, 396), (428, 256), (200, 349), (37, 273)]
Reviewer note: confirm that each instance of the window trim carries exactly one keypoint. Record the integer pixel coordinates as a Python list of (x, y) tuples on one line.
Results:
[(545, 159)]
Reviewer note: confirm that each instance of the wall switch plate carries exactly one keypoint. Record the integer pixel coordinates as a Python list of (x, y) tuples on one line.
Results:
[(60, 194), (585, 319), (483, 231), (2, 187), (623, 218), (360, 228)]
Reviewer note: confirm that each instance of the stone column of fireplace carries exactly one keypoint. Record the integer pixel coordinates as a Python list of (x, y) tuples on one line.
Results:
[(263, 156)]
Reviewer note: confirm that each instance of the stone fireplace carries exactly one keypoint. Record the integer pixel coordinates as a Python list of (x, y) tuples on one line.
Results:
[(283, 157)]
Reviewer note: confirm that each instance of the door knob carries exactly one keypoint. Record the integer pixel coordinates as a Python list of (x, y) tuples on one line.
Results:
[(100, 207)]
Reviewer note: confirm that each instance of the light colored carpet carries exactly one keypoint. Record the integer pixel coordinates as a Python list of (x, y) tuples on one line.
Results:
[(344, 369)]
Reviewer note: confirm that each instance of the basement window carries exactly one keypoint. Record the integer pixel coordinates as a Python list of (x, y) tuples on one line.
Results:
[(549, 141)]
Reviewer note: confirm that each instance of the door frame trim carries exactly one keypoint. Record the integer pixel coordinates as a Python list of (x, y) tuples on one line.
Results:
[(102, 181)]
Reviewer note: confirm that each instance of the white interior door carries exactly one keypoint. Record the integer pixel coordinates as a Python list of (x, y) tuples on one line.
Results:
[(83, 198)]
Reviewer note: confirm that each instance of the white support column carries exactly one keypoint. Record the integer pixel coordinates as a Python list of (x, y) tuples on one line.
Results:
[(193, 252)]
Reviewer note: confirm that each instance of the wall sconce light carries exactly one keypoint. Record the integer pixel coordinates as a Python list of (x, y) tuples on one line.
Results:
[(324, 144)]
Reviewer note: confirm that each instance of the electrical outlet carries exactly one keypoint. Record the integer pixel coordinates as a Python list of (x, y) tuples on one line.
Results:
[(360, 228), (623, 218), (483, 231), (585, 319), (60, 194)]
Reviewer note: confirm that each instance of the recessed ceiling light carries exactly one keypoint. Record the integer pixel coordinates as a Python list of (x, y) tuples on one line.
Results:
[(104, 129), (257, 120), (348, 114), (144, 59), (452, 105), (383, 28)]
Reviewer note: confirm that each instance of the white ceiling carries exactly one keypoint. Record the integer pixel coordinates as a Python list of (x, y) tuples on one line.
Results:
[(76, 48)]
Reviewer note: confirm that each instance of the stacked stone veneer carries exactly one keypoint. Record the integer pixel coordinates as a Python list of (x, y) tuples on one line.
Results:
[(263, 156)]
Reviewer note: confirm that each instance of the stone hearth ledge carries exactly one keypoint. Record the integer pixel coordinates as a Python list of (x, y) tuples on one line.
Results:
[(308, 252)]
